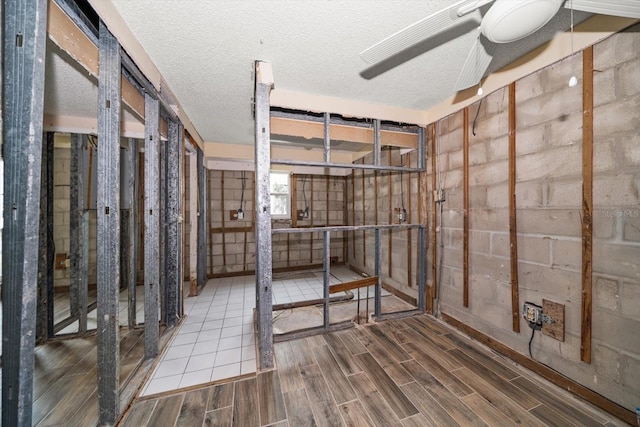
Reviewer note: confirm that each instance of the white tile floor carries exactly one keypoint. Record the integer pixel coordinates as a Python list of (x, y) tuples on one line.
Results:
[(217, 340)]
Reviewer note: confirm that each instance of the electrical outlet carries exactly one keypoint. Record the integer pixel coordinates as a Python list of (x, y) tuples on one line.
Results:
[(532, 313), (240, 214)]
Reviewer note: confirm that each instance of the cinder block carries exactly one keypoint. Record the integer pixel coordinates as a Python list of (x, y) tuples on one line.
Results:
[(477, 198), (562, 222), (567, 130), (549, 106), (529, 87), (489, 220), (618, 260), (631, 144), (528, 140), (630, 371), (495, 270), (561, 285), (451, 141), (490, 173), (528, 194), (604, 155), (628, 79), (498, 196), (631, 232), (616, 330), (604, 87), (606, 293), (497, 102), (500, 244), (565, 193), (618, 190), (556, 76), (452, 258), (567, 254), (616, 118), (477, 154), (480, 241), (495, 125), (556, 163), (604, 223), (455, 159), (630, 300), (534, 249)]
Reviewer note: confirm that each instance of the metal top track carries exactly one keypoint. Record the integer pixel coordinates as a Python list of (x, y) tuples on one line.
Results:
[(340, 121), (346, 228), (344, 165)]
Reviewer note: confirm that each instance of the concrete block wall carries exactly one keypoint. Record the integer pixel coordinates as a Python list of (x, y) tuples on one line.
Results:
[(390, 189), (549, 208), (292, 250)]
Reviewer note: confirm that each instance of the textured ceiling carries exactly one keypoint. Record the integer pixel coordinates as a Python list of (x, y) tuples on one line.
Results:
[(205, 51)]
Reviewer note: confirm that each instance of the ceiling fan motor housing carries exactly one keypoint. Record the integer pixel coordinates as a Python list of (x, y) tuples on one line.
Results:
[(511, 20)]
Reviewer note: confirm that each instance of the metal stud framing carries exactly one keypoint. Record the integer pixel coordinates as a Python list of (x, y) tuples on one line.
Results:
[(162, 222), (264, 250), (202, 219), (132, 187), (327, 277), (44, 314), (79, 233), (151, 225), (173, 261), (263, 221), (24, 58), (108, 214), (327, 137)]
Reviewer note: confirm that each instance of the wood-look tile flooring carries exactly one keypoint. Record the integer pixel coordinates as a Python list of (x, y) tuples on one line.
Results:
[(65, 378), (409, 372)]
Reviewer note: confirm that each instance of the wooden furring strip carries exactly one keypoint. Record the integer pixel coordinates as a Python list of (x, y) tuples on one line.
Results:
[(465, 218), (434, 209), (513, 236), (224, 243), (353, 211), (407, 159), (391, 210), (587, 203), (364, 220), (354, 284)]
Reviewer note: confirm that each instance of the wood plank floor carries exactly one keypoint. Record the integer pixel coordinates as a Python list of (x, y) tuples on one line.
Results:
[(409, 372), (65, 378)]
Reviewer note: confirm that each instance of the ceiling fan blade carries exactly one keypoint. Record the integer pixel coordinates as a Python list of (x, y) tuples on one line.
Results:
[(475, 65), (414, 33), (625, 8)]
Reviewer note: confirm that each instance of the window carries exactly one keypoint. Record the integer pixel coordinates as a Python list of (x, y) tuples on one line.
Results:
[(280, 197)]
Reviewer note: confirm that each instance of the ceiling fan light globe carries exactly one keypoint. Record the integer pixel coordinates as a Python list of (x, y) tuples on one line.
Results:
[(511, 20)]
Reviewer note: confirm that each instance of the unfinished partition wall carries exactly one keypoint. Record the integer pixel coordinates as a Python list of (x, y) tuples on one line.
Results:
[(380, 197), (576, 213), (316, 200)]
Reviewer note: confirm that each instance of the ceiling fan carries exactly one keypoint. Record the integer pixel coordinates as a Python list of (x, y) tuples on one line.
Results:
[(506, 21)]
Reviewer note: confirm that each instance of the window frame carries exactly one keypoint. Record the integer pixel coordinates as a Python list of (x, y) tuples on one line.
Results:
[(286, 215)]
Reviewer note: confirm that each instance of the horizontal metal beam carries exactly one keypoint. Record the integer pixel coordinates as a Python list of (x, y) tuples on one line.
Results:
[(339, 121), (344, 166), (346, 228)]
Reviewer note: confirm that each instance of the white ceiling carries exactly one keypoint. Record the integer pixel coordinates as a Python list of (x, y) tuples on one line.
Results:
[(205, 50)]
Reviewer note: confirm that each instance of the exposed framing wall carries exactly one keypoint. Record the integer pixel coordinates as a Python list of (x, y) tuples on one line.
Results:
[(232, 241), (551, 128)]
